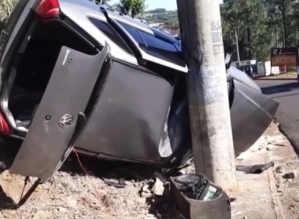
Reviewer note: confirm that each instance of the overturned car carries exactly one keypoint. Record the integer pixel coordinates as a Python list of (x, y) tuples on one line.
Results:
[(78, 74)]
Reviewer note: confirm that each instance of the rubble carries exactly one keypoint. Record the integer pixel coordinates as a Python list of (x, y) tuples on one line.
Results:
[(278, 170), (290, 175), (158, 187)]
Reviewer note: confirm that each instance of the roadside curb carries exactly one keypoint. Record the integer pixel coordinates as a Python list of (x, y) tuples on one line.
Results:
[(265, 191), (275, 79), (293, 142), (275, 197)]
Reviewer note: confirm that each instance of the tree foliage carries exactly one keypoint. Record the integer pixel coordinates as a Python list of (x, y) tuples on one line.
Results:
[(260, 25), (131, 7)]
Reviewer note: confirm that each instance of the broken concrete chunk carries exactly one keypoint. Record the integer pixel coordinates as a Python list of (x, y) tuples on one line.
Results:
[(145, 191), (278, 170), (290, 175), (158, 187)]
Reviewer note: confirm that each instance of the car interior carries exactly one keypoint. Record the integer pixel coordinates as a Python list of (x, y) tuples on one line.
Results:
[(33, 66)]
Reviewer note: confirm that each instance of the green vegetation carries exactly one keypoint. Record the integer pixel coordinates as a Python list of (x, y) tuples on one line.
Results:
[(131, 7), (161, 15), (260, 25)]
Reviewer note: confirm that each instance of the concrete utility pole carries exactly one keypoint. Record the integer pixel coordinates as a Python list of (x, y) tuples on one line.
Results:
[(201, 34)]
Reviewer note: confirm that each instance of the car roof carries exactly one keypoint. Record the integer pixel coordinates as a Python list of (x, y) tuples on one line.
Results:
[(81, 11)]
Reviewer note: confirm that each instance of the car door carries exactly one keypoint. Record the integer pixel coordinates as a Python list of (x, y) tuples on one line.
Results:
[(62, 113)]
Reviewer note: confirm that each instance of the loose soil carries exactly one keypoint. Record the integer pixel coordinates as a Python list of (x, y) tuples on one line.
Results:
[(73, 194)]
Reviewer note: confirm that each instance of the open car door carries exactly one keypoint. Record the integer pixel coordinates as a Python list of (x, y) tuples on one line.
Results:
[(62, 112)]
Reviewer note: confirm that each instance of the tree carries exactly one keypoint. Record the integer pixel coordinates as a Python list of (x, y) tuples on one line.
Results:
[(249, 19), (131, 7), (157, 10), (282, 10), (137, 7)]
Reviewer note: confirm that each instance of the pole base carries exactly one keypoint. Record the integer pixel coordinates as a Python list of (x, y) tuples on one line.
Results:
[(196, 202)]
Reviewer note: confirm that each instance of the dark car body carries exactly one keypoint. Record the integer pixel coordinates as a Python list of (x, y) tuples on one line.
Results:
[(75, 73)]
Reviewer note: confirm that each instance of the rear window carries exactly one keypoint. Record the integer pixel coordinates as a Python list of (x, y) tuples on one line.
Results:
[(133, 32), (153, 42), (110, 33), (155, 46)]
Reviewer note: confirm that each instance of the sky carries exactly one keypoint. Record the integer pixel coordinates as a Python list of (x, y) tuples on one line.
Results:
[(153, 4)]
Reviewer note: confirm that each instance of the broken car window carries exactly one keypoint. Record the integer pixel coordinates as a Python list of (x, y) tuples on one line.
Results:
[(110, 33)]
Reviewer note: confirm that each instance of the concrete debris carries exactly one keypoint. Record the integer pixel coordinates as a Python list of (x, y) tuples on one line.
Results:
[(145, 191), (278, 170), (158, 187), (290, 175), (61, 209)]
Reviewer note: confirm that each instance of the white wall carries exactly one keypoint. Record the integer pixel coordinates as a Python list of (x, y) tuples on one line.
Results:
[(271, 70)]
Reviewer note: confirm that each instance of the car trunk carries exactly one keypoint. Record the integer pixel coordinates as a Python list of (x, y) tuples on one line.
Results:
[(34, 63), (51, 86)]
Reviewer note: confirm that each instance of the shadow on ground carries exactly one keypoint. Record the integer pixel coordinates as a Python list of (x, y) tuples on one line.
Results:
[(82, 165), (6, 202), (112, 173), (7, 154), (280, 88), (159, 206)]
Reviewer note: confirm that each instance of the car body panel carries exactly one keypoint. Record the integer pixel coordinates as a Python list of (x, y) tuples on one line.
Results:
[(16, 21), (242, 77), (251, 114), (17, 24), (56, 120), (128, 119), (141, 113), (144, 32), (79, 11)]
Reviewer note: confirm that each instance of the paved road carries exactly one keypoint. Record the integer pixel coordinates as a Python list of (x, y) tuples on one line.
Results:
[(286, 92)]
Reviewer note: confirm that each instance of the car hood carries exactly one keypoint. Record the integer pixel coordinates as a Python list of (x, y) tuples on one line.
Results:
[(242, 77)]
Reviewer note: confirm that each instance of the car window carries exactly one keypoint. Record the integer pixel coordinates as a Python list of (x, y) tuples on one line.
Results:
[(155, 46), (162, 49), (154, 42), (110, 33), (133, 32), (164, 36)]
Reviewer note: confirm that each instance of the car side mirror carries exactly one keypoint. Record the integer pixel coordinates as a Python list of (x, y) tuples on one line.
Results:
[(227, 60)]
